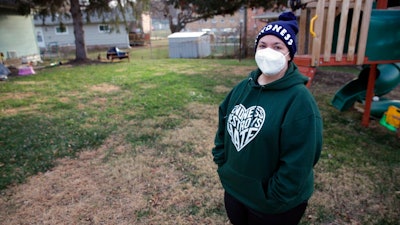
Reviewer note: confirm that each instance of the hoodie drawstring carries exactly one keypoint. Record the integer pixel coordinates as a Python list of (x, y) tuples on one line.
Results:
[(258, 100)]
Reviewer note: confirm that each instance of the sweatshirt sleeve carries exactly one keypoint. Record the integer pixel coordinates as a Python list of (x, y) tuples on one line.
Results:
[(301, 144), (218, 151)]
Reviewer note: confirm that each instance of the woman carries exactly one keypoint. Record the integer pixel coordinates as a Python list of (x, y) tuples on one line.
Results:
[(269, 135)]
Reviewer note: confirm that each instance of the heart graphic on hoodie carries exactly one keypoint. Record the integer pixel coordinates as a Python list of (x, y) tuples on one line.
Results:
[(244, 124)]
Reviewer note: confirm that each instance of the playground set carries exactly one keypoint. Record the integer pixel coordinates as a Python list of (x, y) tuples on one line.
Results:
[(354, 32)]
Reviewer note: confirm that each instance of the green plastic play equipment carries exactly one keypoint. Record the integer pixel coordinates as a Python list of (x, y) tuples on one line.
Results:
[(383, 35), (388, 78), (383, 44)]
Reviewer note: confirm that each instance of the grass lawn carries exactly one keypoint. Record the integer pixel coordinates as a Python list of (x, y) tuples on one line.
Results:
[(130, 143)]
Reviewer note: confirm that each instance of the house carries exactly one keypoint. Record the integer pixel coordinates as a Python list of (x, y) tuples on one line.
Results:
[(17, 37), (99, 30), (59, 33)]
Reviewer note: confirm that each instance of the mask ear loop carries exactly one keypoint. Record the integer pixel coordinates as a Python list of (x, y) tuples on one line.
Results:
[(290, 59)]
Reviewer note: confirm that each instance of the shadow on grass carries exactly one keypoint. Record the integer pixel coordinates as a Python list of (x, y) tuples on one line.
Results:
[(30, 144)]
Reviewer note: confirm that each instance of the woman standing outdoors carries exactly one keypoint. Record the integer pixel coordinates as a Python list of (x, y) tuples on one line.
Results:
[(269, 135)]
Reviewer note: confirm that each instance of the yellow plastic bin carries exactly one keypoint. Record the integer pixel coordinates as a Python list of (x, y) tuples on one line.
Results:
[(391, 118)]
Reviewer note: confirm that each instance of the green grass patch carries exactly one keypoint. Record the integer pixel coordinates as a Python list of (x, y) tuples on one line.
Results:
[(64, 110), (31, 143)]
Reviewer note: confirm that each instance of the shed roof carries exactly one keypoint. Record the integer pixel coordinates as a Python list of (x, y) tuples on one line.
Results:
[(186, 34)]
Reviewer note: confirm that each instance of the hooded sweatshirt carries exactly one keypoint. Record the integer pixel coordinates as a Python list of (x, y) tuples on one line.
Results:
[(268, 140)]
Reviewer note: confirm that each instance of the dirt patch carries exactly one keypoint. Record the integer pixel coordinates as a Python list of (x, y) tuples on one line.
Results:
[(332, 81), (222, 89), (333, 78), (105, 88), (15, 111), (242, 70), (17, 96)]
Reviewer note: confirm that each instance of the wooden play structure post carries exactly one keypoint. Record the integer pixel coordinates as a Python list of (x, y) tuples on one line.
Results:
[(318, 22)]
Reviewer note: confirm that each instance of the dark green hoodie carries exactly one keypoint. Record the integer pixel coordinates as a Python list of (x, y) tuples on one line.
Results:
[(269, 138)]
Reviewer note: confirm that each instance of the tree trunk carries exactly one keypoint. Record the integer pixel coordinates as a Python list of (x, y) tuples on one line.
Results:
[(174, 27), (80, 46)]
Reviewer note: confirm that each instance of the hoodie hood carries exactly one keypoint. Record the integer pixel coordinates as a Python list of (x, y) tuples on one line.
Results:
[(291, 78)]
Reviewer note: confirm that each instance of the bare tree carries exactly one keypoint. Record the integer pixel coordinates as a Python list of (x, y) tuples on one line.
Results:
[(181, 12)]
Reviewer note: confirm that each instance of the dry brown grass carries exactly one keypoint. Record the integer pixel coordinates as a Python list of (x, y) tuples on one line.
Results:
[(105, 88), (354, 194), (111, 185)]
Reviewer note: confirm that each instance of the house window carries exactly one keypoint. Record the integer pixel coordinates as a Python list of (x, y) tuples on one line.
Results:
[(39, 37), (61, 30), (104, 28)]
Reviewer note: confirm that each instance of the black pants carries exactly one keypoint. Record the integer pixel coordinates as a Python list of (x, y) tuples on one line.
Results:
[(240, 214)]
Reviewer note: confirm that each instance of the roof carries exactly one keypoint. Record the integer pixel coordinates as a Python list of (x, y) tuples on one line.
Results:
[(186, 34), (95, 17)]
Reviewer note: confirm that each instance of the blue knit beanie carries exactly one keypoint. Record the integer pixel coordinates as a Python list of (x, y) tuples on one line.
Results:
[(285, 28)]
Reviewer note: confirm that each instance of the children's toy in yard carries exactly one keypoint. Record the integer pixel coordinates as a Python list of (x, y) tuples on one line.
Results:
[(391, 118), (26, 70)]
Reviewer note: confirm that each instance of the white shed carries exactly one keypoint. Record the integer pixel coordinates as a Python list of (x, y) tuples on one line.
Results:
[(189, 45)]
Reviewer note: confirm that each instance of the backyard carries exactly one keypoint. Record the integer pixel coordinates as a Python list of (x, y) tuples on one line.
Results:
[(130, 143)]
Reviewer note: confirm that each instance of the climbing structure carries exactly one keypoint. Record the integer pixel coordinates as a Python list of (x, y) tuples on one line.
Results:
[(347, 32)]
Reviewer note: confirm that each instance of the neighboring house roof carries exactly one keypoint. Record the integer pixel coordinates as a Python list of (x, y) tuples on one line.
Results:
[(114, 34), (93, 18)]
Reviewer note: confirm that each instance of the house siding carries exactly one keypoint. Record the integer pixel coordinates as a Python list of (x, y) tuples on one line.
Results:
[(65, 39), (93, 37), (116, 38)]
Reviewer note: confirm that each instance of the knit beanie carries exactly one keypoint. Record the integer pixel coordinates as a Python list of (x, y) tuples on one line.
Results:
[(285, 28)]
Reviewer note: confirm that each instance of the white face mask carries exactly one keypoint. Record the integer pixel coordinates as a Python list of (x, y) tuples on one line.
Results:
[(269, 61)]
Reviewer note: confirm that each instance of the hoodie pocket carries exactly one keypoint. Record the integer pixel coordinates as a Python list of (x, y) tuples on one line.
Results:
[(246, 189), (250, 191)]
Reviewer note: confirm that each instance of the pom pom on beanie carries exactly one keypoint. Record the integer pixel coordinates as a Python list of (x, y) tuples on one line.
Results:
[(285, 28)]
